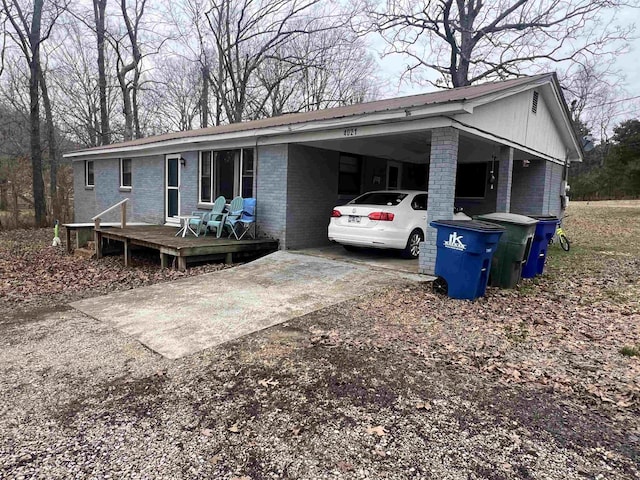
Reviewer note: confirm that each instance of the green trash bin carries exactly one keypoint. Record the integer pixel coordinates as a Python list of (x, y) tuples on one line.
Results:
[(513, 248)]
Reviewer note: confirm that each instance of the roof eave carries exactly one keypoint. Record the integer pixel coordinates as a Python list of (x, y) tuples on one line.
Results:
[(434, 110)]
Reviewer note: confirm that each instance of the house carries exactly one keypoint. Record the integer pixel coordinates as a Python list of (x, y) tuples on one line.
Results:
[(501, 146)]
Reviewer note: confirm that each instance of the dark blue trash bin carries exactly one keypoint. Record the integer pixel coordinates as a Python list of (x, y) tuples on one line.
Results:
[(545, 229), (463, 257)]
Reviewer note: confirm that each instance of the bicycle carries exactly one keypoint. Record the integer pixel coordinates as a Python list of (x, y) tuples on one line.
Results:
[(561, 237)]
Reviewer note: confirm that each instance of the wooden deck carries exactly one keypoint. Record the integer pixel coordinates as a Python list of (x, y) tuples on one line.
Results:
[(163, 239)]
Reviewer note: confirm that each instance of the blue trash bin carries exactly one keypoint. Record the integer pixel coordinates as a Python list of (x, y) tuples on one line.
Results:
[(463, 256), (545, 229)]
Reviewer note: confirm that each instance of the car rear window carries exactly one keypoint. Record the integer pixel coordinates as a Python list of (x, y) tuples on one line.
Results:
[(379, 198)]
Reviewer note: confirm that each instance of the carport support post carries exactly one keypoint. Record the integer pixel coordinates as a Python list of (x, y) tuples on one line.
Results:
[(443, 162), (505, 177)]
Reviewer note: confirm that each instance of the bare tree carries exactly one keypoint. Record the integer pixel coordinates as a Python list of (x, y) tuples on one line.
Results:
[(249, 32), (129, 62), (467, 41)]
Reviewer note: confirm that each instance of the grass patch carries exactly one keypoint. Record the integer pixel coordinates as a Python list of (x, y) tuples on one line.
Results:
[(630, 351)]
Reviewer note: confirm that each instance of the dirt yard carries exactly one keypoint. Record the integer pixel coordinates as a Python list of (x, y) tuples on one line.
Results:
[(538, 383)]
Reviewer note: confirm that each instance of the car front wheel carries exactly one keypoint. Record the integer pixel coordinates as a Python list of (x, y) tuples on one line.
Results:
[(412, 250)]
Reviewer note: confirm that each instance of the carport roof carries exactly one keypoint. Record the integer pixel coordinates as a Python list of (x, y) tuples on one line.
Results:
[(460, 94)]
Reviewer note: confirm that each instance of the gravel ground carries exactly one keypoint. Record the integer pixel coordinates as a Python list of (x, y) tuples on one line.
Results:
[(398, 385)]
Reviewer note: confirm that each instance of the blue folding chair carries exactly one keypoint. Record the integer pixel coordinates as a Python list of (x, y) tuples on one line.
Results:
[(247, 220)]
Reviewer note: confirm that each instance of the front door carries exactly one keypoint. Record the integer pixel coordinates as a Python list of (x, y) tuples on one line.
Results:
[(172, 186), (394, 174)]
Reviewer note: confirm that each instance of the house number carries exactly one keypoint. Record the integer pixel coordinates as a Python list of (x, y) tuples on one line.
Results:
[(350, 132)]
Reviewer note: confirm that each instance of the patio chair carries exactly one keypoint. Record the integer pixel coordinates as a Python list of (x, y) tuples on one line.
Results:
[(234, 214), (247, 221), (216, 217)]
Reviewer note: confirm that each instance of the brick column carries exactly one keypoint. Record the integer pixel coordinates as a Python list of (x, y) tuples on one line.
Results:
[(505, 176), (443, 162)]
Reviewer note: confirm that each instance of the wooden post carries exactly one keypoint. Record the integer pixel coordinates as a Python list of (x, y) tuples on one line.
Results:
[(123, 215), (97, 237), (164, 260), (127, 252), (68, 239), (228, 258), (182, 263)]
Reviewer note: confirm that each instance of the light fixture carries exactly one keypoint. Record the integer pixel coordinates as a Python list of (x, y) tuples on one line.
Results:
[(525, 163), (183, 162)]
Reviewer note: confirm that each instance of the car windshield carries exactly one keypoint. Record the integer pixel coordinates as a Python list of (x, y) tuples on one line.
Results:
[(379, 198)]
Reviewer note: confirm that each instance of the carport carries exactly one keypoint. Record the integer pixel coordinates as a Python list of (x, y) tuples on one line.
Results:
[(504, 151)]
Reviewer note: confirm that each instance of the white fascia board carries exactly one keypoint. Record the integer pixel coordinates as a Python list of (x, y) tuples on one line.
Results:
[(504, 141), (283, 133)]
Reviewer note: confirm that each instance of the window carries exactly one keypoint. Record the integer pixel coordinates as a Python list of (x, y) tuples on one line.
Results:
[(534, 102), (125, 173), (247, 173), (379, 198), (88, 173), (226, 172), (419, 202), (349, 176), (471, 180), (205, 177)]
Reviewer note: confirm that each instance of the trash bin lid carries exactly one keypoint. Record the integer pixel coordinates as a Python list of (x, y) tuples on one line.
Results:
[(475, 225), (545, 218), (508, 218)]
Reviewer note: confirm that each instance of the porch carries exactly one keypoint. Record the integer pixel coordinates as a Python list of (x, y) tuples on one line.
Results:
[(183, 249)]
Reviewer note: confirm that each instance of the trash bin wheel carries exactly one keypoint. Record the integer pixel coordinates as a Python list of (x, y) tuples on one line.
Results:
[(440, 286)]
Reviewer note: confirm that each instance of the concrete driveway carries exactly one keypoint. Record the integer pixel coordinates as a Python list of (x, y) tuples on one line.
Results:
[(188, 315)]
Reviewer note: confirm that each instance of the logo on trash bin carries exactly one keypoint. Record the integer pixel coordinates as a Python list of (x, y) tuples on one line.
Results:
[(455, 242)]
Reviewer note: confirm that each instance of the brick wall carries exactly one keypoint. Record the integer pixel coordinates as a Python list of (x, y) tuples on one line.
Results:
[(146, 197), (189, 183), (271, 191), (442, 182), (505, 178), (148, 189), (84, 199), (312, 192), (536, 188)]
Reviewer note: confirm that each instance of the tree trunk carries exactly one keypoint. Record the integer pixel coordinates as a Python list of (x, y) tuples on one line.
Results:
[(54, 154), (134, 103), (98, 12), (204, 98), (39, 204)]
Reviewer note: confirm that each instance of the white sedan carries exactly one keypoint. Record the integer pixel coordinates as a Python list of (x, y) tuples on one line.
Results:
[(382, 219)]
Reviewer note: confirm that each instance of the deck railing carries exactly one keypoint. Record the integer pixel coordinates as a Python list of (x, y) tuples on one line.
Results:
[(123, 213)]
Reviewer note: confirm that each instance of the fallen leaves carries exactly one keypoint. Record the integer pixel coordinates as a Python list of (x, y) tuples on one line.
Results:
[(235, 428), (33, 273)]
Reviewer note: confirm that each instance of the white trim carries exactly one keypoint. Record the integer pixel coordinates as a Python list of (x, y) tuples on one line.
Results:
[(168, 219)]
